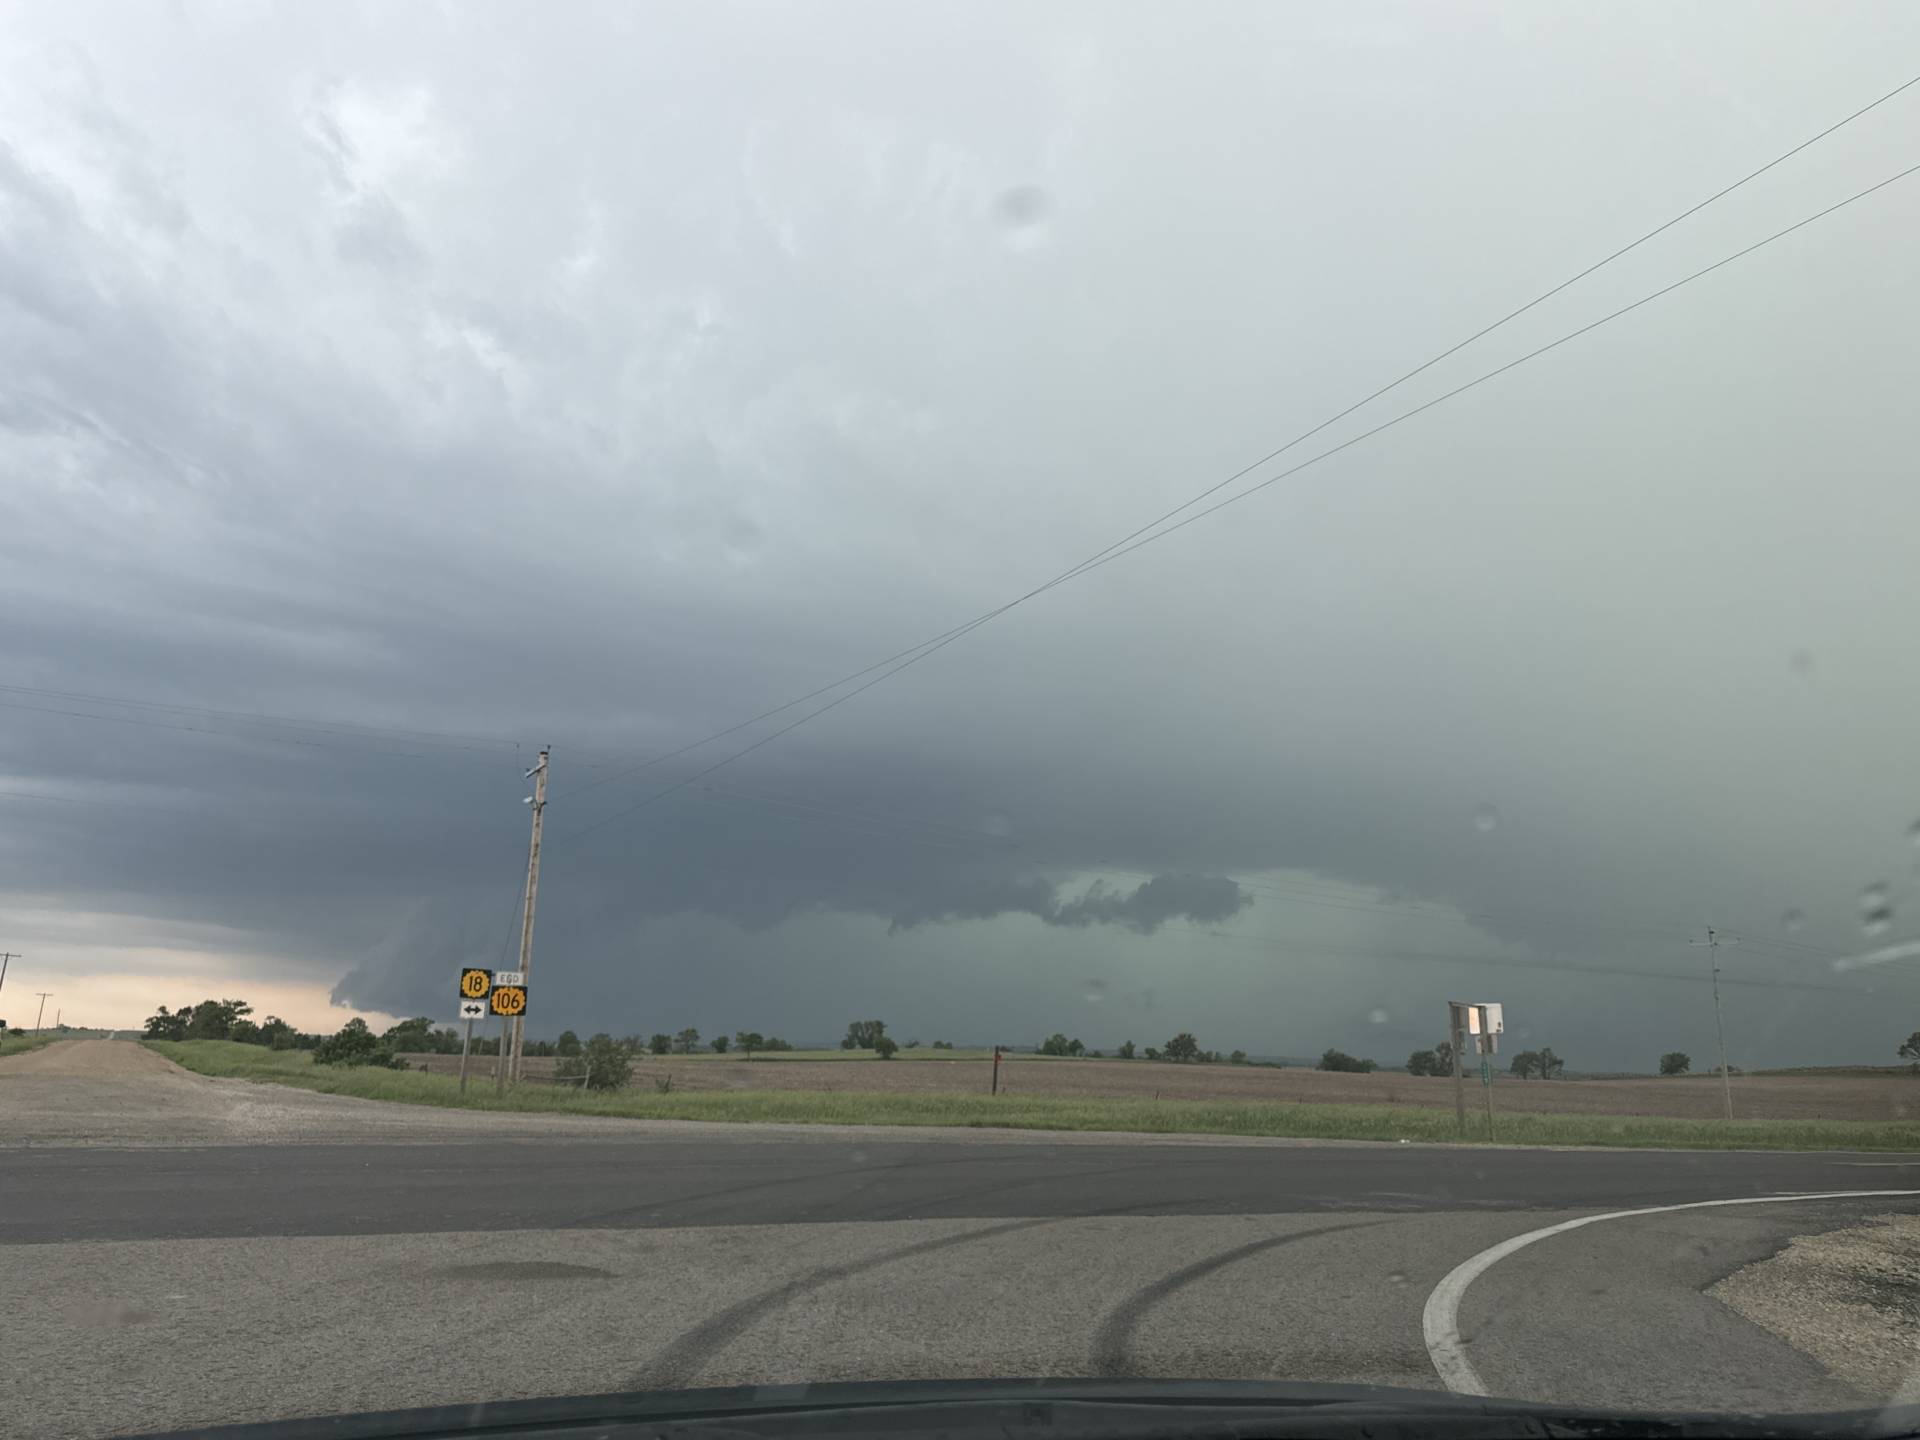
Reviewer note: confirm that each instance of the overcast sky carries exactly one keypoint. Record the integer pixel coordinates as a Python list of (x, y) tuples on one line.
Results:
[(452, 380)]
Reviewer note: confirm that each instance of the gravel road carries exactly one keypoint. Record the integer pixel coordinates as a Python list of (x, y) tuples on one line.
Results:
[(115, 1092)]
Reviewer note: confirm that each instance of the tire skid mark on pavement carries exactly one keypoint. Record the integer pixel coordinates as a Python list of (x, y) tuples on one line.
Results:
[(1114, 1339), (677, 1365)]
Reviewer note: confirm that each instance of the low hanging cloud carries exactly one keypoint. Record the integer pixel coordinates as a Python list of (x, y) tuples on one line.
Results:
[(1207, 899)]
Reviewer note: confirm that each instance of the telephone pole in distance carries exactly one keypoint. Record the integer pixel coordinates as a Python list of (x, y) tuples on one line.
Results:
[(1713, 942)]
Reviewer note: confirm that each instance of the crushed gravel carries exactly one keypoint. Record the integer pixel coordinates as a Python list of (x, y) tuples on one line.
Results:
[(1849, 1298)]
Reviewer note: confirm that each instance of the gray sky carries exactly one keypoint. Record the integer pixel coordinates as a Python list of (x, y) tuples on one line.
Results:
[(606, 376)]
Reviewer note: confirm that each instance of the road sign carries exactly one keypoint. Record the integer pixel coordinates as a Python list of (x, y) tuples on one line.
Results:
[(474, 984), (473, 1009), (509, 977), (509, 1000)]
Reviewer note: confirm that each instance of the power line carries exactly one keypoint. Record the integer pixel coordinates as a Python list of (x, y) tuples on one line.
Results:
[(151, 723), (326, 726), (1100, 556), (920, 653), (1545, 969)]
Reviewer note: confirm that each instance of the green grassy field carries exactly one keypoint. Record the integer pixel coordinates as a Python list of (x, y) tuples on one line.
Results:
[(1317, 1122), (16, 1044)]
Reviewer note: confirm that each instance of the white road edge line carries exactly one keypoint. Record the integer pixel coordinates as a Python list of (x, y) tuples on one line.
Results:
[(1441, 1319)]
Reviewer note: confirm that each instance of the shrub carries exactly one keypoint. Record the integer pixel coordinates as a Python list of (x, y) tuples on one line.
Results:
[(884, 1046), (355, 1044), (607, 1064)]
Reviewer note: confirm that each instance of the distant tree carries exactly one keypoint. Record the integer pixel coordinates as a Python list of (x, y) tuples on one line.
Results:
[(213, 1019), (1151, 1053), (1423, 1062), (1093, 1055), (1182, 1048), (749, 1041), (861, 1035), (1054, 1044), (659, 1044), (245, 1032), (567, 1044), (774, 1042), (1340, 1060), (162, 1025), (943, 1045), (1676, 1063), (607, 1063), (1238, 1057), (1909, 1048), (1074, 1047), (1550, 1064), (1526, 1064), (719, 1043), (355, 1044), (1125, 1052), (912, 1045), (1443, 1058), (884, 1046), (686, 1042)]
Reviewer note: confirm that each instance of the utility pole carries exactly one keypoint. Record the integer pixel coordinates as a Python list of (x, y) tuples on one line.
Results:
[(43, 994), (538, 800), (1713, 943), (4, 958)]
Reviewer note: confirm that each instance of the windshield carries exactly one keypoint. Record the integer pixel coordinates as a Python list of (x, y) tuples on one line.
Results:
[(707, 694)]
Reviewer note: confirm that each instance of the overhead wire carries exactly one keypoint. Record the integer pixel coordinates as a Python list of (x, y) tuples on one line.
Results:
[(923, 652), (1100, 556)]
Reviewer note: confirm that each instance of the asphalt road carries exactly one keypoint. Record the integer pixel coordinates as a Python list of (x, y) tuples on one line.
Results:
[(613, 1182), (176, 1282)]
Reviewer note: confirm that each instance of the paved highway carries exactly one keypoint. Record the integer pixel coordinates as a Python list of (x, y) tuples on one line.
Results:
[(170, 1283), (620, 1183)]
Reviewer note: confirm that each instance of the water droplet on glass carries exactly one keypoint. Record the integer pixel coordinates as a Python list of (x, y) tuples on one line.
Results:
[(1486, 819), (1913, 834), (1096, 991), (1378, 1017), (1793, 920), (1397, 1277), (1877, 922), (1022, 211)]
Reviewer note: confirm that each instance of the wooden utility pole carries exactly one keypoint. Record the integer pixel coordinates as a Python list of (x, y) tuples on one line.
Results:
[(9, 955), (1713, 942), (43, 994), (538, 800)]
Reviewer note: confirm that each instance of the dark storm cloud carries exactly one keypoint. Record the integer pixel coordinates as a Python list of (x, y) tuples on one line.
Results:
[(1143, 909), (524, 382)]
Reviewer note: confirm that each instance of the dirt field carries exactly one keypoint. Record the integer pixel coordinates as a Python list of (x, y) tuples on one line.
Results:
[(1755, 1097)]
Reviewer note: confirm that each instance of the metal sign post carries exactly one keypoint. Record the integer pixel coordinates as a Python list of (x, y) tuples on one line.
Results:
[(1457, 1037), (475, 986), (1485, 1022)]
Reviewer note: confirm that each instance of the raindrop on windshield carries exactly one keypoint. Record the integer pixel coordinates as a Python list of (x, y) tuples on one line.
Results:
[(1913, 834), (1096, 991), (1022, 212), (1378, 1017), (1876, 909), (1486, 819), (1793, 920)]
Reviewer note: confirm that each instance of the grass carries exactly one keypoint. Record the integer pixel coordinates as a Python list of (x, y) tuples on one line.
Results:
[(1027, 1112), (19, 1044), (706, 1052)]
